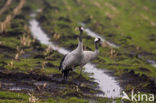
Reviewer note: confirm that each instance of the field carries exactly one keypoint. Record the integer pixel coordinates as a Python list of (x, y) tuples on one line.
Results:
[(26, 63)]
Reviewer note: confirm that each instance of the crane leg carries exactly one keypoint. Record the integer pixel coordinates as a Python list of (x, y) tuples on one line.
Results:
[(81, 69), (66, 73)]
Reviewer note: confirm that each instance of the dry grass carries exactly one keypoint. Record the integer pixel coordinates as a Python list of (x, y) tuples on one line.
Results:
[(19, 7), (32, 99), (17, 56), (11, 63), (40, 87), (7, 21), (105, 45), (110, 15), (148, 19), (113, 53), (56, 36), (145, 8), (97, 4), (43, 64), (5, 6), (111, 7), (19, 53), (26, 28), (66, 4), (25, 40), (48, 50)]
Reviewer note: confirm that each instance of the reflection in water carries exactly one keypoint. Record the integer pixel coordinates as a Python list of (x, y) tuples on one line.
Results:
[(107, 83)]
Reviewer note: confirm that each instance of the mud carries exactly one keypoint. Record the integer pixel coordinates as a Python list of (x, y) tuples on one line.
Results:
[(4, 48), (137, 81), (53, 84)]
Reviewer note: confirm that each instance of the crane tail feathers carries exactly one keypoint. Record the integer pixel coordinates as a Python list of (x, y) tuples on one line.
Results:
[(66, 72), (60, 67)]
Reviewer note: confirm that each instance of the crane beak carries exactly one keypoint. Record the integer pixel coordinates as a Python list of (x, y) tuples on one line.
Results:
[(100, 43)]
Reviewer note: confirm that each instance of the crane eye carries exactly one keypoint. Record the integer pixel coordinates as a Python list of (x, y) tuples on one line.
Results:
[(99, 39)]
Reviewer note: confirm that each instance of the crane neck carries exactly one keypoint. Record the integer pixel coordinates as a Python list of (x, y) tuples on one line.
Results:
[(80, 36), (96, 46), (80, 46)]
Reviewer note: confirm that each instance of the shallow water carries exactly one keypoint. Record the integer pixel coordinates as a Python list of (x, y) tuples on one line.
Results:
[(14, 86), (107, 83), (152, 62), (20, 88)]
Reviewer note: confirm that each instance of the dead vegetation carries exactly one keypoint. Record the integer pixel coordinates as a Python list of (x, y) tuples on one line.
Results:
[(19, 53), (56, 36), (32, 98), (112, 52), (7, 21), (25, 40), (97, 4), (44, 64), (11, 64), (148, 19), (5, 6), (113, 8), (17, 10)]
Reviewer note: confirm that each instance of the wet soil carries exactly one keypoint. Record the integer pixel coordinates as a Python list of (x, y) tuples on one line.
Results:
[(53, 84), (138, 82)]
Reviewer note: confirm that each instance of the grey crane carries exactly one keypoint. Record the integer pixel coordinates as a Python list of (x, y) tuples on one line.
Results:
[(73, 58), (90, 55)]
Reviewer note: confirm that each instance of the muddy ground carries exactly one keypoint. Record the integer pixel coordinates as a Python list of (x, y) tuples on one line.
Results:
[(53, 84)]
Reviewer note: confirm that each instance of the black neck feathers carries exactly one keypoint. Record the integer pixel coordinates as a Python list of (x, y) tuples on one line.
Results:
[(96, 45), (80, 37)]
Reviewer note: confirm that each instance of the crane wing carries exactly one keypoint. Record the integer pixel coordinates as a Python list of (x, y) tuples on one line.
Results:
[(69, 60), (60, 67)]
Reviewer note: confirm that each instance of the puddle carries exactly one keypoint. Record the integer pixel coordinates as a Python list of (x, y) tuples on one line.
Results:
[(20, 89), (49, 85), (95, 35), (152, 62), (38, 33), (13, 86), (25, 84), (107, 83)]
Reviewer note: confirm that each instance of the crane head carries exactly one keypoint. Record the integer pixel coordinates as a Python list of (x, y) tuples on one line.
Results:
[(81, 28), (97, 40)]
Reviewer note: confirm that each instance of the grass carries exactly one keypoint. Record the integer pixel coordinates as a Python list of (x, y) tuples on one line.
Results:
[(126, 23), (35, 59), (11, 97), (119, 19), (129, 24)]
